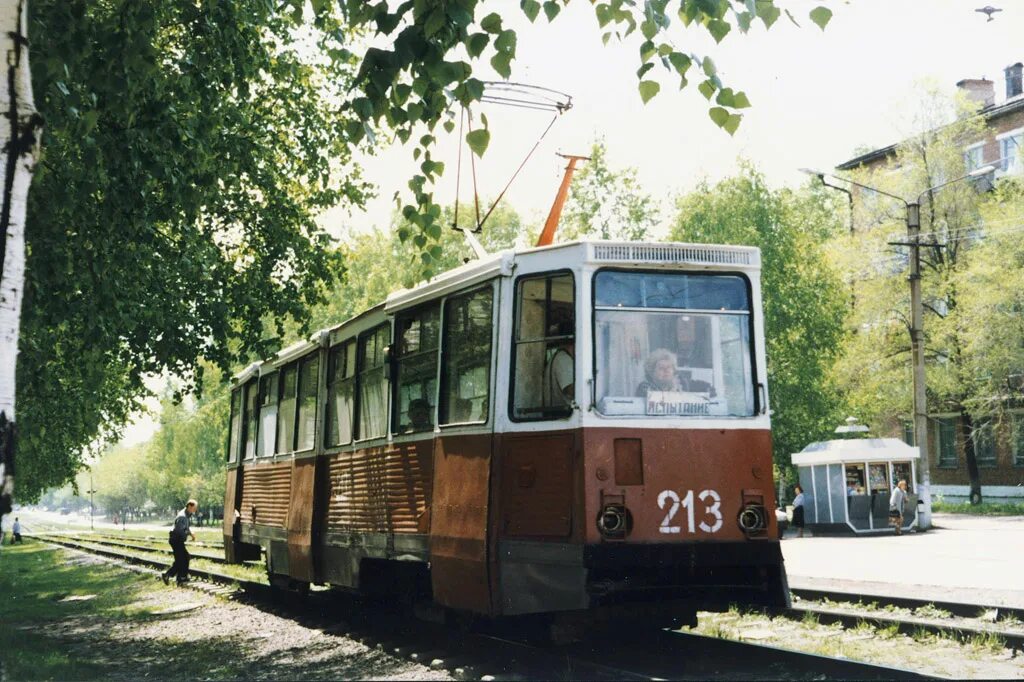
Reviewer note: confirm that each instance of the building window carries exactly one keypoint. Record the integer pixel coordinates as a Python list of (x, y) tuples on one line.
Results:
[(908, 433), (265, 438), (543, 385), (466, 374), (1010, 148), (1017, 439), (341, 392), (417, 336), (974, 157), (983, 436), (946, 442), (372, 407)]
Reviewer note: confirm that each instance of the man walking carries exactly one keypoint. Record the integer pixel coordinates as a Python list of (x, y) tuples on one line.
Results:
[(178, 534), (896, 502), (16, 531)]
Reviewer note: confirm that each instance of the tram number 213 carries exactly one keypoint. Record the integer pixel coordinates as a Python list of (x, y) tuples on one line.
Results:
[(710, 500)]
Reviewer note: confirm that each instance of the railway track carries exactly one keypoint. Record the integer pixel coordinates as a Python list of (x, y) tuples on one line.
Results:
[(957, 619), (482, 654)]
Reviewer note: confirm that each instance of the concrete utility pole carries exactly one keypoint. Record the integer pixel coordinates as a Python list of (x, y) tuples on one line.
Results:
[(917, 353), (920, 396)]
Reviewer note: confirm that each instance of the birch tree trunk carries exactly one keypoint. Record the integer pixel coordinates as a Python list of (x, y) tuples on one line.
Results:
[(19, 149)]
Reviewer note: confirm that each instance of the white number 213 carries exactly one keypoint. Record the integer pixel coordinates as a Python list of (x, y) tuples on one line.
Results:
[(711, 500)]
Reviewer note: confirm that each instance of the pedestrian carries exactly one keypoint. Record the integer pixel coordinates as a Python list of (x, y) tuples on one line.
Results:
[(16, 530), (798, 511), (896, 504), (181, 530)]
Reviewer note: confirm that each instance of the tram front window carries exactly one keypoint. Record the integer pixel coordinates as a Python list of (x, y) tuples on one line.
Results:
[(673, 345)]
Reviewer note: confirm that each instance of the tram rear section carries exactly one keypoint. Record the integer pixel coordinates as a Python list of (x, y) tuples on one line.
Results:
[(437, 447)]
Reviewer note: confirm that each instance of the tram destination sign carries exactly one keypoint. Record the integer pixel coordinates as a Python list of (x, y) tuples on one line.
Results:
[(685, 404)]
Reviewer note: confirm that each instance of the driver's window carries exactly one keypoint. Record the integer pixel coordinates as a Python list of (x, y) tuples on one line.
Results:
[(545, 335)]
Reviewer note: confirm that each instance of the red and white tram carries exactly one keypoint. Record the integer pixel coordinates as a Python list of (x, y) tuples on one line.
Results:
[(560, 429)]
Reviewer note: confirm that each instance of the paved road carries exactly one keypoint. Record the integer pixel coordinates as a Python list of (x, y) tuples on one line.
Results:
[(975, 559)]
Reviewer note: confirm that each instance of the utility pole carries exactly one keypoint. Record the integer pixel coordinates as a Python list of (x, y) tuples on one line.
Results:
[(917, 353), (920, 397), (91, 490)]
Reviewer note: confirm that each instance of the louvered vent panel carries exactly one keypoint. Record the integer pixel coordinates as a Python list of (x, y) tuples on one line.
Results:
[(669, 253), (268, 489), (378, 491)]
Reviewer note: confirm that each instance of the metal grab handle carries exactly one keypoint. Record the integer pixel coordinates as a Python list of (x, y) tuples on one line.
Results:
[(762, 396)]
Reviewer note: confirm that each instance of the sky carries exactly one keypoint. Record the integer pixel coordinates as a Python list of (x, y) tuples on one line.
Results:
[(817, 96)]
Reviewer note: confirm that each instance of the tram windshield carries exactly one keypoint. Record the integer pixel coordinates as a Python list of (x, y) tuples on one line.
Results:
[(673, 344)]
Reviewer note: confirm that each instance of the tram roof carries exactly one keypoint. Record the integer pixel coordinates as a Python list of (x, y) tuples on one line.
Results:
[(855, 450), (590, 251), (502, 262)]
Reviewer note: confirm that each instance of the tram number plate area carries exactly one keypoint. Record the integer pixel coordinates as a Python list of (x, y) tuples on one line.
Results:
[(708, 520), (684, 404)]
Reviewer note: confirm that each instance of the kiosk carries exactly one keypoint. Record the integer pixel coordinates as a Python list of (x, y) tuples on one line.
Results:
[(847, 483)]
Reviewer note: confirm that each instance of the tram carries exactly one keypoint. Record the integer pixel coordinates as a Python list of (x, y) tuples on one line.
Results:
[(573, 428)]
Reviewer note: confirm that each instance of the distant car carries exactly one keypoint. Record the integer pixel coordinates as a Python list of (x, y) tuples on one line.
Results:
[(65, 511)]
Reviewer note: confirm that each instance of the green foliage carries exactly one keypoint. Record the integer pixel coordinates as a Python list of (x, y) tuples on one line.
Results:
[(378, 262), (188, 148), (983, 509), (803, 297), (607, 204), (419, 79), (957, 276)]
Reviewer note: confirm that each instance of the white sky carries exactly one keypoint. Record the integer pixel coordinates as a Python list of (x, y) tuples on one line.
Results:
[(816, 97)]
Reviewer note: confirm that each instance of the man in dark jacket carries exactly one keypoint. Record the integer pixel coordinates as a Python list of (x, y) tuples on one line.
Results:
[(178, 534)]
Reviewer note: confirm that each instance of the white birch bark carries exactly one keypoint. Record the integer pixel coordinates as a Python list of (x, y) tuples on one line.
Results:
[(20, 129)]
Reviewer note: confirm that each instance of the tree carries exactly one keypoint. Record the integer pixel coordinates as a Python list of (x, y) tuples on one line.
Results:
[(20, 143), (189, 148), (876, 366), (804, 302), (420, 79), (607, 204)]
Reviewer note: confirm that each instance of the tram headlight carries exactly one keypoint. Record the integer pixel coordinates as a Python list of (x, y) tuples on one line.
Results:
[(614, 521), (752, 518)]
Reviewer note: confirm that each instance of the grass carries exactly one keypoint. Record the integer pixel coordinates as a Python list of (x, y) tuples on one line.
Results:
[(983, 509), (46, 636)]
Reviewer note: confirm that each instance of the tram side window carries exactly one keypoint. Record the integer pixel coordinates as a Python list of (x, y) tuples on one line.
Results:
[(236, 424), (265, 436), (544, 381), (309, 375), (286, 409), (466, 375), (249, 419), (341, 380), (373, 395), (416, 370)]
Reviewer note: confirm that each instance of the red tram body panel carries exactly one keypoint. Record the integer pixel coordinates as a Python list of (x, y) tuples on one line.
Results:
[(570, 428)]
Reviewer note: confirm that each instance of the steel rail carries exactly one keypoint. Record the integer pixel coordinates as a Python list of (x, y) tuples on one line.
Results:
[(655, 654)]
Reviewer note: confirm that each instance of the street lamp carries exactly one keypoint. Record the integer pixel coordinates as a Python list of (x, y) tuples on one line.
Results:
[(913, 218)]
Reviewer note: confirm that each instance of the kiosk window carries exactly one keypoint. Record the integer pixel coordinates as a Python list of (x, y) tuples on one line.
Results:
[(416, 369), (467, 358), (543, 385)]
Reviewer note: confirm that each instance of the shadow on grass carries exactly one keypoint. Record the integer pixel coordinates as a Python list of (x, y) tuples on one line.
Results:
[(67, 616)]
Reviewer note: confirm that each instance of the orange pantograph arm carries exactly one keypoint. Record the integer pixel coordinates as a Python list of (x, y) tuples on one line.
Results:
[(547, 235)]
